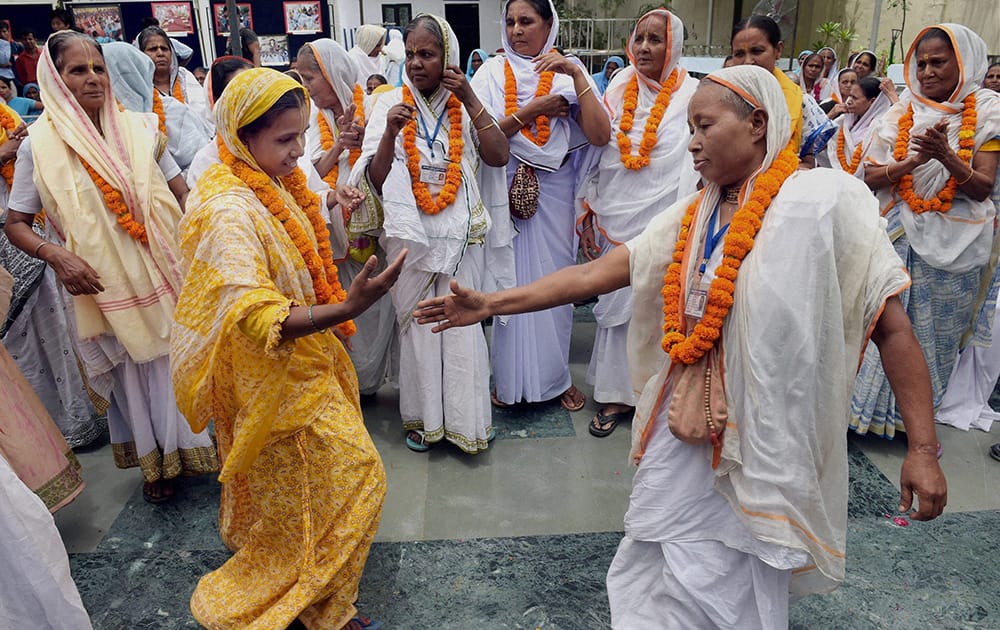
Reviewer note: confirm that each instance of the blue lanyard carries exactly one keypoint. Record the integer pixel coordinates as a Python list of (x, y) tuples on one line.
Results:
[(427, 136), (712, 237)]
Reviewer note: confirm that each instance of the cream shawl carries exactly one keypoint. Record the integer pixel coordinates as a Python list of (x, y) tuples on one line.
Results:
[(340, 70), (141, 282), (806, 299)]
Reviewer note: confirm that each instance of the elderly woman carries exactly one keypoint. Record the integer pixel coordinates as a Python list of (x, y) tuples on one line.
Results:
[(603, 78), (178, 100), (866, 105), (631, 181), (368, 44), (546, 106), (252, 351), (333, 146), (933, 165), (740, 496), (427, 185), (105, 189)]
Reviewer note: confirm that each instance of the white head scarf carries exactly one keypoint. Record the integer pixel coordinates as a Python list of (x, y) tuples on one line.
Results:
[(874, 71), (394, 49), (369, 37), (859, 127), (131, 74), (338, 68), (832, 74), (835, 92)]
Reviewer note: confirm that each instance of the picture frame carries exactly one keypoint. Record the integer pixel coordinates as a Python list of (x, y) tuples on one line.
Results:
[(103, 22), (303, 18), (273, 50), (222, 20), (175, 17)]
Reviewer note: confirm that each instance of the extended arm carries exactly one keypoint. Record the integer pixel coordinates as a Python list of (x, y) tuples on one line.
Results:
[(906, 369), (568, 285)]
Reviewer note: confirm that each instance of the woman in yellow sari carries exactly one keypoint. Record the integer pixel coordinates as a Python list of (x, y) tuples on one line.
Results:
[(251, 348)]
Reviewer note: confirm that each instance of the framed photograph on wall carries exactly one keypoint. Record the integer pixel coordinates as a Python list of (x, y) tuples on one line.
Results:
[(303, 18), (273, 50), (175, 17), (221, 15), (102, 22)]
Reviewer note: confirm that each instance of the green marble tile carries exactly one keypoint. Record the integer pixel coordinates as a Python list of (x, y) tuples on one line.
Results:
[(533, 420)]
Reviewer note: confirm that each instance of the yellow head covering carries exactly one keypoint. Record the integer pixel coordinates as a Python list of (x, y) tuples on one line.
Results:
[(248, 97)]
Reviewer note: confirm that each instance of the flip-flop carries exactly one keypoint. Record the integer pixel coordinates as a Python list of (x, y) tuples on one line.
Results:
[(155, 500), (420, 447), (491, 433), (496, 402), (570, 406), (613, 418)]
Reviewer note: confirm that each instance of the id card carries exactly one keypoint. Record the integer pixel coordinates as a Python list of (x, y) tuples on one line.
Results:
[(432, 174), (697, 299)]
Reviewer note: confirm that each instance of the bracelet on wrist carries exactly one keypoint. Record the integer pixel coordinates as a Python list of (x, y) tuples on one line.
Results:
[(972, 173), (313, 321), (39, 247)]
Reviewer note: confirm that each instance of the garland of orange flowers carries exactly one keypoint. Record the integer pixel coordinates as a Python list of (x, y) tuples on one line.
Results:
[(161, 117), (966, 143), (116, 204), (318, 259), (8, 124), (453, 178), (842, 156), (637, 162), (738, 242), (543, 130), (327, 140), (178, 92)]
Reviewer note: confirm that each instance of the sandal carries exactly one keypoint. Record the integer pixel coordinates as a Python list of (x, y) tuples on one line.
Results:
[(159, 491), (611, 419), (568, 402), (497, 402), (417, 441), (363, 623), (491, 433)]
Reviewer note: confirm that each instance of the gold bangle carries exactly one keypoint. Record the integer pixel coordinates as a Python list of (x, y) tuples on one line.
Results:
[(887, 176), (38, 248), (583, 93), (965, 181), (517, 120), (492, 123), (476, 117)]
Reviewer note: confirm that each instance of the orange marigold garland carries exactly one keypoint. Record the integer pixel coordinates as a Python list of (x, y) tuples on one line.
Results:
[(318, 259), (327, 140), (178, 92), (631, 101), (453, 178), (851, 165), (966, 143), (8, 124), (161, 116), (737, 244), (543, 130), (116, 204)]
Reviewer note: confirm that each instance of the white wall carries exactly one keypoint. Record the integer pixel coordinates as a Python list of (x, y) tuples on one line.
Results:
[(489, 16)]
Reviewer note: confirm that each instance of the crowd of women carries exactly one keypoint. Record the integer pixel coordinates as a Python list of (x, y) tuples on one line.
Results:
[(249, 254)]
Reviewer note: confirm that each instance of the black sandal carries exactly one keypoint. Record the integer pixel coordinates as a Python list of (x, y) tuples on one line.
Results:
[(612, 418)]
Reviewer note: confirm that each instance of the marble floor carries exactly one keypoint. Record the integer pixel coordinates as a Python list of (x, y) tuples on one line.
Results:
[(521, 536)]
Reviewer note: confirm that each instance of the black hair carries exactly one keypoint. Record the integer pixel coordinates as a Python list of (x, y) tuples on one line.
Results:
[(992, 65), (541, 7), (200, 69), (148, 21), (24, 32), (870, 87), (222, 72), (292, 99), (378, 77), (150, 32), (762, 23), (64, 16), (874, 61), (808, 58), (428, 23), (936, 33), (8, 81), (59, 42), (295, 75)]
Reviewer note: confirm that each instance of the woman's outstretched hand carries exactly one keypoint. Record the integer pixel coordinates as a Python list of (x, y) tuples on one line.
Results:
[(366, 289), (462, 308)]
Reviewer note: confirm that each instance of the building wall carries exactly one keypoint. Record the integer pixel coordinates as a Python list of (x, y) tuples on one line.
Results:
[(349, 17)]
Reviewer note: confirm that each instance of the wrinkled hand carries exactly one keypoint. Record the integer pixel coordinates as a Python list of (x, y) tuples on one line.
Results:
[(554, 62), (77, 276), (8, 150), (349, 198), (351, 133), (397, 117), (454, 81), (550, 105), (837, 110), (588, 242), (921, 475), (933, 143), (462, 308), (366, 289)]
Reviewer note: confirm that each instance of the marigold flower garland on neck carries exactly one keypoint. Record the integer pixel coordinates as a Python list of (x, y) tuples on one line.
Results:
[(318, 259), (852, 165), (116, 204), (738, 242), (453, 178), (327, 140), (966, 143), (543, 130), (8, 124), (161, 116), (631, 101)]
